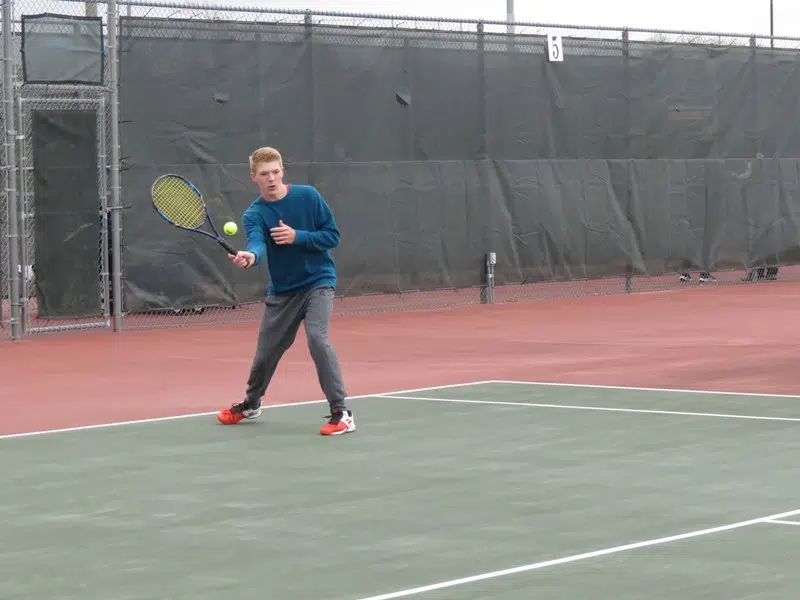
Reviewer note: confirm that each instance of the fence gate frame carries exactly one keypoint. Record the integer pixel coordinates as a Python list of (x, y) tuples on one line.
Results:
[(65, 101), (7, 328)]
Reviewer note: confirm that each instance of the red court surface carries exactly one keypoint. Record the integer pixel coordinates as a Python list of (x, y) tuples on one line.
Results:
[(727, 338)]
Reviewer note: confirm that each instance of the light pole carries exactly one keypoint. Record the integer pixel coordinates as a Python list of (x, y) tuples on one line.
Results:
[(510, 15)]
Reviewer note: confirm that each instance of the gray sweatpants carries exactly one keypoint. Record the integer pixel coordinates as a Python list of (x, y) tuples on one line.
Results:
[(282, 318)]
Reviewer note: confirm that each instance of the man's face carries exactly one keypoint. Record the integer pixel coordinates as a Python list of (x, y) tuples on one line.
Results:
[(268, 176)]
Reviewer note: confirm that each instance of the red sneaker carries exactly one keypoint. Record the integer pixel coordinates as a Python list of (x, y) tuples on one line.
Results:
[(237, 412), (340, 422)]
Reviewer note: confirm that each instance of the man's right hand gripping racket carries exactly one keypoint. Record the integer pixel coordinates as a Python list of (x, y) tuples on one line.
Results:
[(180, 203)]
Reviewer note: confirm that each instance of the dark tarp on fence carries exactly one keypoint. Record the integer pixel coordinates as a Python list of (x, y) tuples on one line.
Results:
[(434, 148), (60, 49), (68, 221)]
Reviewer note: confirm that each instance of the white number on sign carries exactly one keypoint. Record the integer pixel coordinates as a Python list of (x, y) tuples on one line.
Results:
[(554, 48)]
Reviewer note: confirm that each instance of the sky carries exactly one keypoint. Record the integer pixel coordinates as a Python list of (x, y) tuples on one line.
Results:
[(747, 17)]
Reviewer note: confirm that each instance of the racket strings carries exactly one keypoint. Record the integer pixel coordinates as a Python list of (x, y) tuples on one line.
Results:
[(179, 203)]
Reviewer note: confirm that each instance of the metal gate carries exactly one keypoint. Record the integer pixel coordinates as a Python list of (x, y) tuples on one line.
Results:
[(32, 321)]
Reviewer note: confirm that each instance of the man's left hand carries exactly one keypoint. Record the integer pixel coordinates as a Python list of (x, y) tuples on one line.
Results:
[(282, 234)]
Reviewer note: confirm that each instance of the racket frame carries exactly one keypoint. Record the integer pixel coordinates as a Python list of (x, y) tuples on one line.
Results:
[(207, 218)]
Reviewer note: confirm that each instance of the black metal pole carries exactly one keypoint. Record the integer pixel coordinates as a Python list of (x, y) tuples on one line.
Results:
[(772, 23)]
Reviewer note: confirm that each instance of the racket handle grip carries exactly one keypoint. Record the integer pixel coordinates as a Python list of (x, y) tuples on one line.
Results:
[(227, 246)]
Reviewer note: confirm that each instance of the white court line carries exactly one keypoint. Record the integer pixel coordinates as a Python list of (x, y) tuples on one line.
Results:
[(425, 389), (205, 414), (576, 557), (645, 389), (781, 522), (595, 408)]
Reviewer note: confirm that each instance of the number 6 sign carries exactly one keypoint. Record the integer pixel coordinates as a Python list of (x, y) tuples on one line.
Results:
[(555, 49)]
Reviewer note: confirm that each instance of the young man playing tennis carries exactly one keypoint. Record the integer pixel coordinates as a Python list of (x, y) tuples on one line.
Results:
[(293, 227)]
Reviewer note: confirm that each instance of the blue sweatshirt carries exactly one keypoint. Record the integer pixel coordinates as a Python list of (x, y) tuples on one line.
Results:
[(306, 263)]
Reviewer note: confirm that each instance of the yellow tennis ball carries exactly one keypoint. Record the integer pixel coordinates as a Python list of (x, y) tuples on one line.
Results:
[(230, 228)]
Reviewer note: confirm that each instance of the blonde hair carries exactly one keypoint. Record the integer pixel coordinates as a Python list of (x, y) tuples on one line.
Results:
[(265, 154)]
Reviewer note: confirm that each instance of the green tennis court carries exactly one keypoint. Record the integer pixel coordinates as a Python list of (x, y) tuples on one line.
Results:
[(483, 491)]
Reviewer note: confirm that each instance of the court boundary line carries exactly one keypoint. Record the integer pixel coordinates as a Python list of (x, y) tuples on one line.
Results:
[(214, 412), (590, 408), (645, 389), (394, 394), (782, 522), (578, 557)]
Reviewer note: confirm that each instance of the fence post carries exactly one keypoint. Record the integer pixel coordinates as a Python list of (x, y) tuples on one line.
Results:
[(629, 204), (115, 205), (483, 145), (11, 171), (308, 38)]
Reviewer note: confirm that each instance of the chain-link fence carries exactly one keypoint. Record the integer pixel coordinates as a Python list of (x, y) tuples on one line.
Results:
[(8, 176), (57, 185), (414, 128)]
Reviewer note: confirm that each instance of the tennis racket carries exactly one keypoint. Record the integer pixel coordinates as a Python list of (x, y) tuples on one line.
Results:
[(180, 203)]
